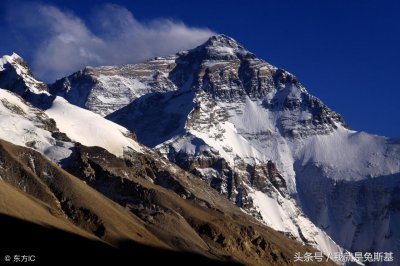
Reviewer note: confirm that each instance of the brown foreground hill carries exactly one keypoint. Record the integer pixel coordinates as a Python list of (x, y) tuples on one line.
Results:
[(107, 209)]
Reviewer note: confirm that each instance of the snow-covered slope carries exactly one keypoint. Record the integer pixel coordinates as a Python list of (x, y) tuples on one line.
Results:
[(25, 125), (54, 131), (91, 129), (284, 215)]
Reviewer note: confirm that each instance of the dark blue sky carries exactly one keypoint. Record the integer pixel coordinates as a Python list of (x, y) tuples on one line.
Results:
[(344, 52)]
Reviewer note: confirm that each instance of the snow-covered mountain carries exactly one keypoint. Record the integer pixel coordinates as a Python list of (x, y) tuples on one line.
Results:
[(255, 134), (250, 130), (129, 192), (16, 76)]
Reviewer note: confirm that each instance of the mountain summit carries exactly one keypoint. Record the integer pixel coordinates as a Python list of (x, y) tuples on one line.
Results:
[(15, 74), (220, 46)]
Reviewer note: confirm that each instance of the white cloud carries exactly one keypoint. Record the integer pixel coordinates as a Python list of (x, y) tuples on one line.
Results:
[(65, 43)]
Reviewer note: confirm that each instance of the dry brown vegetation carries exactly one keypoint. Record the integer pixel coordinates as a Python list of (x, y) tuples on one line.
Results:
[(143, 200)]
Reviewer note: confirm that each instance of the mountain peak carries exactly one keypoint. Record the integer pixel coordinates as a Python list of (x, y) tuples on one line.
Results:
[(9, 59), (16, 62), (222, 40), (221, 47), (16, 76)]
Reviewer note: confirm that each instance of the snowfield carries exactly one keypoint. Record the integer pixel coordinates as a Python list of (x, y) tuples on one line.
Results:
[(24, 125), (90, 129)]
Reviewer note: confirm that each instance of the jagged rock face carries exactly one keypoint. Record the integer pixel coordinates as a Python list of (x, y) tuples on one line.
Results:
[(221, 67), (229, 73), (15, 75)]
